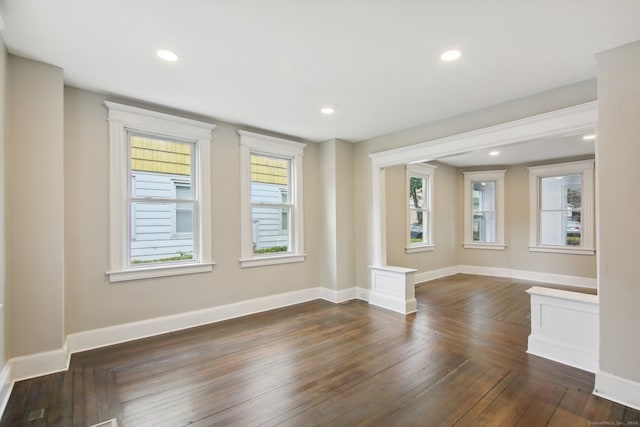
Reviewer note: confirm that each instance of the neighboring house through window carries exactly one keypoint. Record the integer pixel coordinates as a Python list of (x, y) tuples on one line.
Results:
[(484, 210), (271, 194), (561, 208), (159, 194), (419, 178)]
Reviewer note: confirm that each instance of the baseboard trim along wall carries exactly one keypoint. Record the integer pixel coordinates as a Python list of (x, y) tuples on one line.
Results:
[(534, 276), (619, 390), (436, 274), (24, 367)]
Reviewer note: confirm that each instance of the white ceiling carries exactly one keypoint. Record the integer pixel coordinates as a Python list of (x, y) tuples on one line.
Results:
[(526, 152), (274, 64)]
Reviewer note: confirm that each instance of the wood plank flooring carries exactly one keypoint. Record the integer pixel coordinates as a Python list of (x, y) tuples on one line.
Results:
[(461, 360)]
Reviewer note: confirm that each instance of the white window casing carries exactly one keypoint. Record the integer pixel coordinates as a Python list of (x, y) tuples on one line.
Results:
[(497, 176), (584, 168), (123, 121), (253, 143), (426, 173)]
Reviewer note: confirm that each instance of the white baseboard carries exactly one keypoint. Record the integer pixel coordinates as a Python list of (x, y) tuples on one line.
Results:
[(620, 390), (394, 304), (24, 367), (341, 295), (436, 274), (561, 353), (6, 384), (363, 294), (35, 365), (95, 338), (534, 276)]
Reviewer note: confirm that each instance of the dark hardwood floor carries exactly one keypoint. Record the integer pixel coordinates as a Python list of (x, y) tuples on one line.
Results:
[(460, 361)]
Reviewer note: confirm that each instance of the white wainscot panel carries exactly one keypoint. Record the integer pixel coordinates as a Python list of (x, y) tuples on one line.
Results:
[(393, 288), (564, 327)]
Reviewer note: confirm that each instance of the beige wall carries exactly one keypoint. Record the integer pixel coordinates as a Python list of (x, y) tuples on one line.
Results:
[(336, 210), (327, 245), (35, 211), (445, 205), (618, 153), (3, 272), (345, 215), (449, 228), (535, 104), (92, 302), (517, 255)]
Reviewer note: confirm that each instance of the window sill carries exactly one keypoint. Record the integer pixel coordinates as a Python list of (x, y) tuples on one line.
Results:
[(259, 261), (159, 271), (488, 246), (423, 248), (562, 250)]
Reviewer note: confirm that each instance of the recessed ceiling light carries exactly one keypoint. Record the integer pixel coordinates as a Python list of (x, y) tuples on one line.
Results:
[(589, 137), (327, 110), (494, 153), (167, 55), (451, 55)]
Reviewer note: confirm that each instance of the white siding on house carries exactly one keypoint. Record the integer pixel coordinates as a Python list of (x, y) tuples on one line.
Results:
[(270, 224), (153, 234)]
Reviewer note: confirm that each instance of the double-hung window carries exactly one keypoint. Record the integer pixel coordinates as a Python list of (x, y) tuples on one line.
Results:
[(159, 188), (271, 200), (561, 208), (484, 210), (419, 179)]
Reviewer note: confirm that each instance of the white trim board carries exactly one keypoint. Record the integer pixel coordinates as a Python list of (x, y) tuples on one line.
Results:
[(564, 327), (534, 276), (87, 340), (436, 274), (565, 121), (34, 365), (616, 389)]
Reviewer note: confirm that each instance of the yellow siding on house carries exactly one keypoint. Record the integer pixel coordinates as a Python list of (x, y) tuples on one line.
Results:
[(269, 170), (156, 155)]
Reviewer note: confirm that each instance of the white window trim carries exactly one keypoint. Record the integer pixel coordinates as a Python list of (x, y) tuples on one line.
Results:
[(251, 142), (584, 168), (427, 172), (122, 120), (494, 175)]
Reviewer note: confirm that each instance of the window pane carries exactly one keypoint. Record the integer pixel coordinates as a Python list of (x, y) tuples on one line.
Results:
[(416, 192), (573, 229), (269, 179), (484, 195), (561, 210), (152, 238), (184, 211), (184, 218), (552, 228), (484, 227), (183, 191), (418, 221), (156, 164), (561, 192), (268, 235)]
